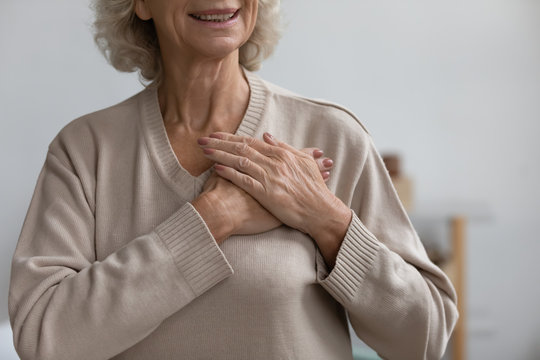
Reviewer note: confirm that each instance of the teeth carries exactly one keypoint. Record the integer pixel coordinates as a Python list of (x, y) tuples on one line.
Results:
[(215, 17)]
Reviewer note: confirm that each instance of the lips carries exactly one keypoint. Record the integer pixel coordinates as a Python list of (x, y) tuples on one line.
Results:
[(215, 15), (215, 11)]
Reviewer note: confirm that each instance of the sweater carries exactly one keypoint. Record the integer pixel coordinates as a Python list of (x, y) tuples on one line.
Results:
[(113, 261)]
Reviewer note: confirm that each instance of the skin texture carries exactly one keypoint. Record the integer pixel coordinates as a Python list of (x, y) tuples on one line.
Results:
[(204, 91), (248, 216), (286, 181)]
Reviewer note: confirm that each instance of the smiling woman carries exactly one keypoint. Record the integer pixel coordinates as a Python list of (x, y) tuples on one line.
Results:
[(130, 43), (201, 219)]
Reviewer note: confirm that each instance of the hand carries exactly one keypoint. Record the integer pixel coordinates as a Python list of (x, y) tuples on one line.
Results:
[(229, 210), (236, 208), (286, 181)]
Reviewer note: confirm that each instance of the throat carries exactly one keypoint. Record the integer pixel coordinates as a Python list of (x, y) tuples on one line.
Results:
[(192, 114)]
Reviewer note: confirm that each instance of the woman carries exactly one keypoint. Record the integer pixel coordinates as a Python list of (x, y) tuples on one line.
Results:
[(136, 247)]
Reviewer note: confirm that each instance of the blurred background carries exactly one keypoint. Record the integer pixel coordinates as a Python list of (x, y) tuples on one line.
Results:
[(450, 88)]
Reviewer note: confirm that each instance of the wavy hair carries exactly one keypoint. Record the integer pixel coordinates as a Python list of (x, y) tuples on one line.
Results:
[(130, 44)]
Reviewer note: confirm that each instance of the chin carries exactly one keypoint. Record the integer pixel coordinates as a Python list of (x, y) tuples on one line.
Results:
[(219, 48)]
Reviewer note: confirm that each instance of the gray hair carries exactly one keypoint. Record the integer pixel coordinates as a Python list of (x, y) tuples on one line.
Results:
[(130, 44)]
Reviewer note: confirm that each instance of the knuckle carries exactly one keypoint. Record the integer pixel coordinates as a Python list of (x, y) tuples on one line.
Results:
[(282, 169), (247, 181), (282, 153), (306, 156), (250, 141), (265, 178), (241, 148), (288, 157), (243, 163), (311, 163)]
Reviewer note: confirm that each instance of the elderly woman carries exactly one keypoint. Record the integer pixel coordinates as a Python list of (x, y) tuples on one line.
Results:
[(185, 223)]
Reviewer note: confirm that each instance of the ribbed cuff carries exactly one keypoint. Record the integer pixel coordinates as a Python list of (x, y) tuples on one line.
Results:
[(195, 251), (354, 260)]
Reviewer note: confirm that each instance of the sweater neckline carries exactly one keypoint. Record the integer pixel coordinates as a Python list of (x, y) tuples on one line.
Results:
[(159, 147)]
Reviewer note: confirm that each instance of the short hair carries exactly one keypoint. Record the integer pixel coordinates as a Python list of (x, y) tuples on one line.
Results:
[(130, 44)]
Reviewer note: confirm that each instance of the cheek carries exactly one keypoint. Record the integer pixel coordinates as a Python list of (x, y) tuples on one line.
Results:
[(169, 24), (178, 24), (252, 18), (254, 10)]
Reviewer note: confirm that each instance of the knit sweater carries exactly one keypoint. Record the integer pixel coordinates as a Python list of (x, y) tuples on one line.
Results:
[(113, 261)]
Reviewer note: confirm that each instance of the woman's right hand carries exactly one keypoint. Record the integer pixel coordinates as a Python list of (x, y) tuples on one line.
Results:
[(229, 210)]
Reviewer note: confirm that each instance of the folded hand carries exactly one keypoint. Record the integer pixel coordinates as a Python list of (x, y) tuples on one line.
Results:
[(285, 181)]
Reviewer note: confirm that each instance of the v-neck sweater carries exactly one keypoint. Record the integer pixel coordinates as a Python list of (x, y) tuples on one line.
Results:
[(113, 261)]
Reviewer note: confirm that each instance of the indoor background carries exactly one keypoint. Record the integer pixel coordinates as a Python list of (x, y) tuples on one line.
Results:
[(452, 87)]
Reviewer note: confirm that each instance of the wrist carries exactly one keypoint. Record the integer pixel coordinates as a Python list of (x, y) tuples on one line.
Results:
[(332, 224), (213, 214)]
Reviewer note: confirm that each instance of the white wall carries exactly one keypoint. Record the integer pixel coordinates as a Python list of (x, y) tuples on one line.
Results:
[(454, 86)]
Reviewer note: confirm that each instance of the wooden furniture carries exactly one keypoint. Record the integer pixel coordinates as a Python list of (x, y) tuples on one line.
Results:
[(455, 268), (452, 220), (450, 229), (452, 261), (442, 227)]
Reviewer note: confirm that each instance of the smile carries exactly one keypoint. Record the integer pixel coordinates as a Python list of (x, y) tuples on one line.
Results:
[(217, 16)]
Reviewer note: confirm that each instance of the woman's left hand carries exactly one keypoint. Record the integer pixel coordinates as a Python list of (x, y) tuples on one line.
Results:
[(286, 181)]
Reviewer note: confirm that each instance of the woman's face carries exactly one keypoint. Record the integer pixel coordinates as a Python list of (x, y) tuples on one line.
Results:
[(207, 28)]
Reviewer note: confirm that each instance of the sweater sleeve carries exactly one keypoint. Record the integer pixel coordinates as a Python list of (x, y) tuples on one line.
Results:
[(63, 304), (397, 300)]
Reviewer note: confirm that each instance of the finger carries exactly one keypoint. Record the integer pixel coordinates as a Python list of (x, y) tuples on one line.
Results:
[(325, 163), (257, 144), (272, 140), (325, 175), (243, 181), (240, 163), (242, 149), (315, 152)]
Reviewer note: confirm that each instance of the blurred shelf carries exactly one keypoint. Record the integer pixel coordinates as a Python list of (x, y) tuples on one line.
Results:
[(442, 228)]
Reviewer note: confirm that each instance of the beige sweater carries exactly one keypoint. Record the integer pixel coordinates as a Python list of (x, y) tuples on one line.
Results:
[(114, 262)]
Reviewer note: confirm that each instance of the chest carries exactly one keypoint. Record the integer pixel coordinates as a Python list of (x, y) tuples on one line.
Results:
[(190, 156), (188, 152)]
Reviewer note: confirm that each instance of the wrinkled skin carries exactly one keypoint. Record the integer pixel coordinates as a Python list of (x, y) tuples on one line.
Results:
[(285, 181), (240, 209)]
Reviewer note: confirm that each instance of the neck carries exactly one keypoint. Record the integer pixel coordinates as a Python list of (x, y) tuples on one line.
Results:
[(203, 96)]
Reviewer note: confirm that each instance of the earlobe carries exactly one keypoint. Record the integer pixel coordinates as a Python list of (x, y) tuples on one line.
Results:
[(142, 10)]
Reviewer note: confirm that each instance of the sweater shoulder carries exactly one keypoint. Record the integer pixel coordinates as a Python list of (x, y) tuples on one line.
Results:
[(85, 135), (336, 114)]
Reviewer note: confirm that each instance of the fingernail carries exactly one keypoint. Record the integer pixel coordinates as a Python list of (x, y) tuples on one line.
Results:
[(208, 151), (269, 135), (216, 136), (318, 153), (202, 141), (328, 163), (219, 167), (326, 175)]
